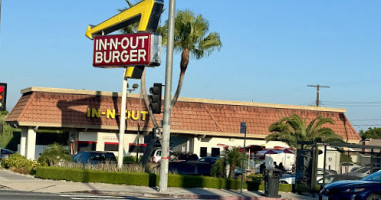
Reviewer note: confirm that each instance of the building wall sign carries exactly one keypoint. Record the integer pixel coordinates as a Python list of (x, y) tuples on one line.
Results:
[(111, 114), (126, 50)]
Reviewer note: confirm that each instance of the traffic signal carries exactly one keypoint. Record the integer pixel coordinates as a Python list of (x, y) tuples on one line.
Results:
[(3, 96), (155, 98)]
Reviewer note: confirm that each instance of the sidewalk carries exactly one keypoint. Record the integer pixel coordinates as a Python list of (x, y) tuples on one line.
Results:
[(14, 181)]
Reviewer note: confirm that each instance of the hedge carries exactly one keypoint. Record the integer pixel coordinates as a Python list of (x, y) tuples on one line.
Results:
[(145, 179), (96, 176)]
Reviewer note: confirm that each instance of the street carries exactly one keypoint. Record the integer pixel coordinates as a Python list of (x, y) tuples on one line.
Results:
[(19, 195)]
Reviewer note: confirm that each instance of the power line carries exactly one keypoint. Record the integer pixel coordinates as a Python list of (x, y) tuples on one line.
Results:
[(366, 125), (365, 119), (353, 105), (375, 81), (355, 102)]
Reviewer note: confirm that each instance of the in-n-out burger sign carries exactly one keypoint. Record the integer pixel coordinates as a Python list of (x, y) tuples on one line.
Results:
[(126, 50)]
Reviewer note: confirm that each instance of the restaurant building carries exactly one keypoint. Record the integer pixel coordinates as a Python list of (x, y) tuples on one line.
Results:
[(200, 126)]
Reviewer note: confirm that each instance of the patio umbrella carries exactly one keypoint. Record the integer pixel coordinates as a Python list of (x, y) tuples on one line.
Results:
[(288, 151), (271, 152)]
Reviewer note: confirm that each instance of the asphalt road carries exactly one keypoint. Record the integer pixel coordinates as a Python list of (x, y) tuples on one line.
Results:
[(19, 195)]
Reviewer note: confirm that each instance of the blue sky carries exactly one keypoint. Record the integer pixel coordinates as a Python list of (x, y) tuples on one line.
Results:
[(272, 49)]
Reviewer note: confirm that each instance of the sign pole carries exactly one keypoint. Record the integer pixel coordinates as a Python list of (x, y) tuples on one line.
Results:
[(164, 163), (243, 130), (122, 126)]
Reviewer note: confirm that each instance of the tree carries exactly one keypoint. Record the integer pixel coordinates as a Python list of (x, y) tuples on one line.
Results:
[(55, 154), (293, 129), (191, 38), (232, 158), (6, 131), (374, 133)]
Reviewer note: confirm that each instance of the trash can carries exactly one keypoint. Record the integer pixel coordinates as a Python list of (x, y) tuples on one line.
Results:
[(272, 177)]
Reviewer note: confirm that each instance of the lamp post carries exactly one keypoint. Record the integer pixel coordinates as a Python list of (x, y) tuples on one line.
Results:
[(134, 87)]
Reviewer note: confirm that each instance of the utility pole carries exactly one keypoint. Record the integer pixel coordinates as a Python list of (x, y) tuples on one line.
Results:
[(317, 92), (164, 162)]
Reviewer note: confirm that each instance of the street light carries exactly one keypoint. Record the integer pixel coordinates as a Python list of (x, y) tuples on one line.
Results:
[(134, 86)]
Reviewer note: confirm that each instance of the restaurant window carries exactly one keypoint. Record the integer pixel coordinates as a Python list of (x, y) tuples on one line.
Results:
[(203, 151), (111, 146), (87, 146), (215, 152), (137, 147)]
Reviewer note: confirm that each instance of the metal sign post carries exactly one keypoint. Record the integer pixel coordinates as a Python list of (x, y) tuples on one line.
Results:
[(122, 126), (243, 130)]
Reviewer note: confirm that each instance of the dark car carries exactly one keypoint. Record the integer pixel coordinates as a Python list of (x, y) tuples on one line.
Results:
[(94, 157), (190, 168), (210, 160), (4, 153), (367, 188)]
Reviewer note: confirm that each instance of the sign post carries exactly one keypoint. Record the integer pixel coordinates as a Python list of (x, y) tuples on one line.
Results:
[(141, 49), (122, 127), (243, 130)]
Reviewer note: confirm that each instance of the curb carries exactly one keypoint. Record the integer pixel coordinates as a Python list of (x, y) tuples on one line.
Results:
[(181, 196)]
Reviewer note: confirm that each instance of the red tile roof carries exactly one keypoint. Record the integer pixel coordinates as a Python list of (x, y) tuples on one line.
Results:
[(51, 107)]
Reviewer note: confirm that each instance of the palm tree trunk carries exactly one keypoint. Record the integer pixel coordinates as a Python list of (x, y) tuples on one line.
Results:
[(146, 99), (183, 67), (232, 171)]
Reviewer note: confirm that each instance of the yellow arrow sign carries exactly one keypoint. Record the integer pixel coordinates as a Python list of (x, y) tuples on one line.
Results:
[(146, 12)]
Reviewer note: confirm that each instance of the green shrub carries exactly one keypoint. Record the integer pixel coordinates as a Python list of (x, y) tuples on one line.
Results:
[(55, 154), (20, 164), (151, 180), (254, 181), (189, 181), (255, 177), (130, 159), (86, 175)]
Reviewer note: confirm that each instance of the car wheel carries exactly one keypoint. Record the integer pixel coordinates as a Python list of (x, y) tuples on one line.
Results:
[(284, 182), (374, 197)]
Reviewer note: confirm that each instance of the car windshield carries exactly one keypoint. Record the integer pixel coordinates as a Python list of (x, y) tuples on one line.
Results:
[(362, 170), (373, 177)]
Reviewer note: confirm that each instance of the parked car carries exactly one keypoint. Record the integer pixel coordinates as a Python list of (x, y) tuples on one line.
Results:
[(156, 156), (362, 171), (94, 157), (4, 153), (337, 177), (328, 172), (287, 179), (290, 178), (190, 168), (187, 157), (210, 160), (367, 188)]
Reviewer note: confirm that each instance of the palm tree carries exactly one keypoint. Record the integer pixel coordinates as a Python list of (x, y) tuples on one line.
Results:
[(191, 38), (293, 129), (232, 158), (54, 154)]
